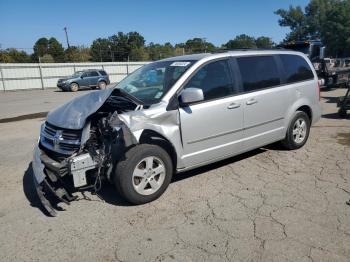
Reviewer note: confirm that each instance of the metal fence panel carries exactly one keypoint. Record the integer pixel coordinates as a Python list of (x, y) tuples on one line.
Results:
[(45, 75)]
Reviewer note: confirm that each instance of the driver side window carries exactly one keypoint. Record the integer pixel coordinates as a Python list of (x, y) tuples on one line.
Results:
[(214, 79)]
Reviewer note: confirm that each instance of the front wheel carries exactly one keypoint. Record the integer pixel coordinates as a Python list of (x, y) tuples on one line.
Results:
[(298, 131), (102, 85), (144, 174), (74, 87)]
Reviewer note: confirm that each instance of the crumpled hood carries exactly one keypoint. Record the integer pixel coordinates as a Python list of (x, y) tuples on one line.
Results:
[(73, 114)]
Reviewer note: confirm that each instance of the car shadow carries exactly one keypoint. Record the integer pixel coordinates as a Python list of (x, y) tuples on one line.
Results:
[(335, 116), (207, 168), (330, 99), (80, 90), (108, 192)]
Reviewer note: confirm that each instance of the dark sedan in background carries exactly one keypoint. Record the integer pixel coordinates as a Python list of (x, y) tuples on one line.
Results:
[(91, 78)]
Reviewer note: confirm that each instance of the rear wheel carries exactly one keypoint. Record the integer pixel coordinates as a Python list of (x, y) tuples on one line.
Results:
[(144, 174), (298, 131), (74, 87)]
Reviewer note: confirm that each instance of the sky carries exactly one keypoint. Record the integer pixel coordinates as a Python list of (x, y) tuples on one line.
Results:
[(22, 22)]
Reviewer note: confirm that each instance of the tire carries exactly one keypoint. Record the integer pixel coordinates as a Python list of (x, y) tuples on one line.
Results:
[(102, 85), (342, 113), (133, 179), (297, 132), (74, 87)]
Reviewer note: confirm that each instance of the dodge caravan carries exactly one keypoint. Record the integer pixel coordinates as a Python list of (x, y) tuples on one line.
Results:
[(174, 115)]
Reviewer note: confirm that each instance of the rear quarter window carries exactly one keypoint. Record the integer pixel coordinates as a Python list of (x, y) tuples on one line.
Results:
[(296, 68)]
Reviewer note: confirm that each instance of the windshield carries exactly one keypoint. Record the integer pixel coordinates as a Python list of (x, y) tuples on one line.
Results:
[(152, 81)]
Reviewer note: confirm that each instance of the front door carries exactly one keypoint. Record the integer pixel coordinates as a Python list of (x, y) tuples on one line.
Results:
[(213, 128), (84, 81)]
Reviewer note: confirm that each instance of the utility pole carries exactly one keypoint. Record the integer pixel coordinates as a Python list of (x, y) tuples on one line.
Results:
[(204, 41), (99, 47), (112, 53), (65, 30)]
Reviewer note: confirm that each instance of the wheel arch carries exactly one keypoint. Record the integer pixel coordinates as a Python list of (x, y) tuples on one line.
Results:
[(101, 80), (307, 110), (152, 137)]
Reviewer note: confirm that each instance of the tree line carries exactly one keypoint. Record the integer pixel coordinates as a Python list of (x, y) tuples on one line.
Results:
[(129, 46), (327, 20)]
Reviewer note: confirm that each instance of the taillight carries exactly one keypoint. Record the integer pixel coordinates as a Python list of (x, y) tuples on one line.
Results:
[(319, 90)]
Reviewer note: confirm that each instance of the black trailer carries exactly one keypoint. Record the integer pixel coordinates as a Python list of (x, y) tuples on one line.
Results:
[(332, 72)]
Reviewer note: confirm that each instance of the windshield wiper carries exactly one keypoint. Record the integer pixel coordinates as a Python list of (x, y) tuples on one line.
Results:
[(130, 97)]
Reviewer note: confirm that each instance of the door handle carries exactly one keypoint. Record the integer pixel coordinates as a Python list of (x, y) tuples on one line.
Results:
[(251, 101), (233, 106)]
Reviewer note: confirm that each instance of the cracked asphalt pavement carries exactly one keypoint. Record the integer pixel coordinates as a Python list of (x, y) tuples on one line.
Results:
[(265, 205)]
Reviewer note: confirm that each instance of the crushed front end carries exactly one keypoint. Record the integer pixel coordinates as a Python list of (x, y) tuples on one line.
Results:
[(70, 160)]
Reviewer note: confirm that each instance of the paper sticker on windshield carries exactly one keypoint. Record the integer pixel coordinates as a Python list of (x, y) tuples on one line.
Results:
[(180, 64)]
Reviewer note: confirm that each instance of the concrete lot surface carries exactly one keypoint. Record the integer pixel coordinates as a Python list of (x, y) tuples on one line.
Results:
[(23, 103), (266, 205)]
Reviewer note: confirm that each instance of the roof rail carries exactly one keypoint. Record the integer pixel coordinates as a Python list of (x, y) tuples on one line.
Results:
[(223, 50)]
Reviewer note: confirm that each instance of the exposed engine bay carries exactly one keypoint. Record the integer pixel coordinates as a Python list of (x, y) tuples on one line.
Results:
[(78, 160)]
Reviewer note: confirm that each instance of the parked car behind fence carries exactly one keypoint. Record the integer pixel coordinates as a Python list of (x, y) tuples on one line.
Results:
[(90, 78)]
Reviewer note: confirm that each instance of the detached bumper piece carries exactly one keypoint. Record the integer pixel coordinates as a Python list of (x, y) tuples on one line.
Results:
[(52, 181), (50, 197)]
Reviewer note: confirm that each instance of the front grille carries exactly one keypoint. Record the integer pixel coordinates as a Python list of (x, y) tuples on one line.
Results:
[(63, 141)]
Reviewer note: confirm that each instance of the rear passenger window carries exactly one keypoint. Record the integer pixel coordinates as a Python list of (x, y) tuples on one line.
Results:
[(93, 73), (296, 68), (258, 72), (214, 79), (103, 73)]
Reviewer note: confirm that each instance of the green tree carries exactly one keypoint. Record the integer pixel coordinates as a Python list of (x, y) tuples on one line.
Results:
[(198, 45), (56, 50), (316, 14), (15, 56), (77, 54), (47, 58), (100, 50), (154, 51), (117, 47), (139, 54), (241, 41), (40, 48), (50, 46), (5, 57), (264, 42), (295, 19), (135, 40)]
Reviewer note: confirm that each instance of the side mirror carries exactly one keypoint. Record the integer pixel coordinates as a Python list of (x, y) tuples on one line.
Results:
[(191, 95), (81, 77), (322, 52)]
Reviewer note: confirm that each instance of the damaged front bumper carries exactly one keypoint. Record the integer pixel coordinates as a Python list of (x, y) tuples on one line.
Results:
[(55, 181)]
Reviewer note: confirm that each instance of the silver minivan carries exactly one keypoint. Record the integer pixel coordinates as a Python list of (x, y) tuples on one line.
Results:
[(174, 115)]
